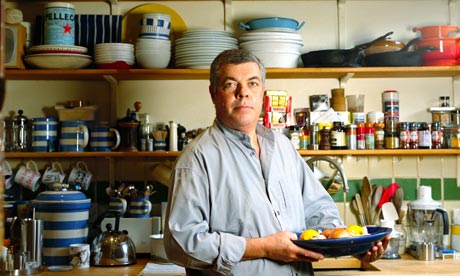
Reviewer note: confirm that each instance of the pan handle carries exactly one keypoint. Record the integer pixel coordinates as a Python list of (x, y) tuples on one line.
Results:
[(365, 45)]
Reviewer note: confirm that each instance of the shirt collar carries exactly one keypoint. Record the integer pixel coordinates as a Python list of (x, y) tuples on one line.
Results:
[(261, 131)]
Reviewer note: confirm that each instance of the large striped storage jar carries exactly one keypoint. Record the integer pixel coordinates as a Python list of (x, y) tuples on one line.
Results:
[(65, 215)]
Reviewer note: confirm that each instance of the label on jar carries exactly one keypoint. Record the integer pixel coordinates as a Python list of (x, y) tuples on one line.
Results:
[(338, 139), (59, 24)]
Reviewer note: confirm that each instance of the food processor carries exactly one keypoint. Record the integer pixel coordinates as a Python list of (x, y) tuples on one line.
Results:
[(429, 226)]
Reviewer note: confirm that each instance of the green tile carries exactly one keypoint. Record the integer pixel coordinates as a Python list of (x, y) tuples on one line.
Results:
[(385, 182), (451, 191), (435, 184), (409, 186)]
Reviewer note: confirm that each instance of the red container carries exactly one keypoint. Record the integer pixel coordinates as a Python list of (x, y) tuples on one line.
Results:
[(449, 48), (437, 31)]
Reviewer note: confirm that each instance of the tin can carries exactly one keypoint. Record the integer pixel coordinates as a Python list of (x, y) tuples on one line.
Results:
[(351, 136), (59, 24)]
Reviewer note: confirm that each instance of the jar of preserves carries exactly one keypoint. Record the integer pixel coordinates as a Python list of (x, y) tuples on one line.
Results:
[(424, 136), (404, 135), (436, 135), (338, 137)]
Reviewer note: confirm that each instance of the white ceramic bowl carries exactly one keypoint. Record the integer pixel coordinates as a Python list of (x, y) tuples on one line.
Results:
[(58, 61), (159, 59), (272, 46), (278, 59)]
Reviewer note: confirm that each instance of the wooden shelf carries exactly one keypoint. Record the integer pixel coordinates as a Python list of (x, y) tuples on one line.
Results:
[(175, 154), (203, 74)]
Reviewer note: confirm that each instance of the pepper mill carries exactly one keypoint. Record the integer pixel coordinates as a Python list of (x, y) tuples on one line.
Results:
[(128, 127)]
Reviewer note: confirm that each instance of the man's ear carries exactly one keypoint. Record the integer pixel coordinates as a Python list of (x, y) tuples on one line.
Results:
[(211, 92)]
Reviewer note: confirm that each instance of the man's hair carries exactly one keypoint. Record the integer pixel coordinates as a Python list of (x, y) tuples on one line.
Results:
[(234, 56)]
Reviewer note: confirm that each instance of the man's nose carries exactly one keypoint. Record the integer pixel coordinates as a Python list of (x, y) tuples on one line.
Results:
[(242, 91)]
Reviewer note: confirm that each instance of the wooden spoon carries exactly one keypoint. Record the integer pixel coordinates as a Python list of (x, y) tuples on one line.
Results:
[(366, 191), (397, 201), (375, 202)]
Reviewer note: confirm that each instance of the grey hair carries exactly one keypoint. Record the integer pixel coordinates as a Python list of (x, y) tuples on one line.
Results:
[(234, 56)]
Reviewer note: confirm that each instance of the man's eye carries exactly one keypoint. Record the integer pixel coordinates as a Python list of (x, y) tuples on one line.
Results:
[(253, 84), (229, 85)]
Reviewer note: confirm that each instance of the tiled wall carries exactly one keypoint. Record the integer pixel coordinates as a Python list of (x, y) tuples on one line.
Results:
[(409, 172)]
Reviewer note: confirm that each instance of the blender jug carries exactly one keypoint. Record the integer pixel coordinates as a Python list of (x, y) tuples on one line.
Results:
[(429, 225)]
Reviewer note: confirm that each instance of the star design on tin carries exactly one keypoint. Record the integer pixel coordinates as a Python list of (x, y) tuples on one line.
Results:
[(67, 28)]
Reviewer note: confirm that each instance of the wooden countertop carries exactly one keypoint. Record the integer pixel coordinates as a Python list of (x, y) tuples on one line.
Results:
[(407, 265)]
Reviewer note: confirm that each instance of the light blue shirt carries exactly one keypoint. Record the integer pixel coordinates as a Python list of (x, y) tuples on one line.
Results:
[(222, 193)]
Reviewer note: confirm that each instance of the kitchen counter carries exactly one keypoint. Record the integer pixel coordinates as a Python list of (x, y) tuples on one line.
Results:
[(407, 265)]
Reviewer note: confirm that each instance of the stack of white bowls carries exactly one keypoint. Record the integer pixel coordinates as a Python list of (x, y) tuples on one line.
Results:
[(114, 55), (197, 48), (276, 49), (153, 47)]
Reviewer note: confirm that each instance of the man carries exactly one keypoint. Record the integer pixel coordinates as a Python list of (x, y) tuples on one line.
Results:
[(239, 192)]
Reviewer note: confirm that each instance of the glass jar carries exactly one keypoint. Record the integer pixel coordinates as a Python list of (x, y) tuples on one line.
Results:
[(404, 135), (379, 135), (413, 134), (402, 238), (360, 137), (424, 136), (294, 136), (338, 137), (369, 133), (436, 135)]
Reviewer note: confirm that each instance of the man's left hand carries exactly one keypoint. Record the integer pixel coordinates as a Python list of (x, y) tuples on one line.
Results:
[(376, 252)]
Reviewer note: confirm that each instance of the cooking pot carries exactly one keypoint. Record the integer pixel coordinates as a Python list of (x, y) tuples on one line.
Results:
[(448, 48), (437, 31), (403, 57), (338, 58), (272, 22), (112, 247)]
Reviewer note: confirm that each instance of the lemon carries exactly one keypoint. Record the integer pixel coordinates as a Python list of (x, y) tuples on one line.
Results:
[(309, 234), (355, 230)]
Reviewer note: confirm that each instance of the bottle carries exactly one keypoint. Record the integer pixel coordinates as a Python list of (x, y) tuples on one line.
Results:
[(360, 137), (369, 133), (404, 135), (402, 238), (350, 131), (173, 136), (324, 143), (424, 136), (294, 136), (413, 132), (390, 99), (379, 135), (314, 137), (338, 137)]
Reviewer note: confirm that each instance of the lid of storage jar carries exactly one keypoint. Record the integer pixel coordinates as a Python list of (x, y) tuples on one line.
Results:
[(424, 200), (61, 200)]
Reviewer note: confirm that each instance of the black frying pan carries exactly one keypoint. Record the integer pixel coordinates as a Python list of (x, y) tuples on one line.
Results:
[(338, 58), (403, 57)]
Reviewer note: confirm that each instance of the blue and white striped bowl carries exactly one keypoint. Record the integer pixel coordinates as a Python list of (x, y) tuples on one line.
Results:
[(65, 216)]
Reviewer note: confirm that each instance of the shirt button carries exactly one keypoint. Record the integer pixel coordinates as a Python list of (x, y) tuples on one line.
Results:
[(278, 213)]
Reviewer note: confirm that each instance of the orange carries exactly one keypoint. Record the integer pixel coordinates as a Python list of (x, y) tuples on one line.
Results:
[(339, 233)]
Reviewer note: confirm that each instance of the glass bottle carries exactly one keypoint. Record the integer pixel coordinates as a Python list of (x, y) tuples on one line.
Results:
[(338, 137), (424, 136), (436, 135)]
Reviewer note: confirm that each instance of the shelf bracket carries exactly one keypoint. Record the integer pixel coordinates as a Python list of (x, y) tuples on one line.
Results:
[(344, 79), (113, 85), (227, 15)]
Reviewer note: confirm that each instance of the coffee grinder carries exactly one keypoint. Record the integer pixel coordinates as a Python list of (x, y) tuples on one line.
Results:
[(429, 226)]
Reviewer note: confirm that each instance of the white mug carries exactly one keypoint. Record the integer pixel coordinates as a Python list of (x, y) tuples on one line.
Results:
[(28, 176), (79, 255), (53, 174), (80, 176), (7, 174)]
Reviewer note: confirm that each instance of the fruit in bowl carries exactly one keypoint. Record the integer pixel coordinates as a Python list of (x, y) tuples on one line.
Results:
[(336, 233)]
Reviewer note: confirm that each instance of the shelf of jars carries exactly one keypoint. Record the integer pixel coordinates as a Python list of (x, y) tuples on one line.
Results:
[(175, 154), (203, 74)]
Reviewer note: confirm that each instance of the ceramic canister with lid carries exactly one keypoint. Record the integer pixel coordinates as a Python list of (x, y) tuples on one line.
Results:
[(65, 215), (59, 24)]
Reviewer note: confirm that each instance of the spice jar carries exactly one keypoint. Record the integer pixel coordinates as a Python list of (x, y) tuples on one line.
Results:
[(379, 135), (350, 131), (369, 133), (424, 136), (436, 135), (413, 132), (360, 137)]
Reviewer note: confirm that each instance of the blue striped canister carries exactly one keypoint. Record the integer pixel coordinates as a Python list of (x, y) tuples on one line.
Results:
[(74, 136), (65, 216), (44, 134)]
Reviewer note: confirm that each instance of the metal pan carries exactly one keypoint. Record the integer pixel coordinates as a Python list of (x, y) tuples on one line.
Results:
[(338, 58)]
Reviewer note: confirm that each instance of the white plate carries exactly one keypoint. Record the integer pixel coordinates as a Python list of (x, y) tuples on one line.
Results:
[(58, 61), (60, 268), (58, 48)]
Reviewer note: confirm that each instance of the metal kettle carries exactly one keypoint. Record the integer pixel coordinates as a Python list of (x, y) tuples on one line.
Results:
[(112, 247)]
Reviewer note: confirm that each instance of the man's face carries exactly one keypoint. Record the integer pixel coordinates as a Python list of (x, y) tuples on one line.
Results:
[(238, 96)]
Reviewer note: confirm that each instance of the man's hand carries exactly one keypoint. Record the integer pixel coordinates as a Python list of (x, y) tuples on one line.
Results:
[(377, 250), (279, 247)]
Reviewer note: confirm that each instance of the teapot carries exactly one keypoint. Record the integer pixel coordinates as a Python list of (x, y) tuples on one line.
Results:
[(112, 247)]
